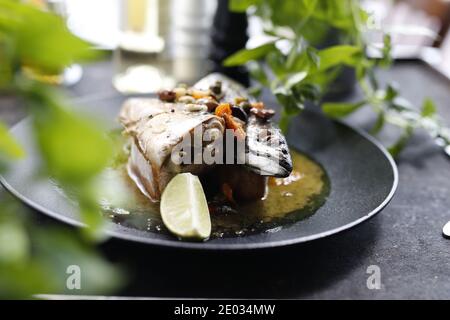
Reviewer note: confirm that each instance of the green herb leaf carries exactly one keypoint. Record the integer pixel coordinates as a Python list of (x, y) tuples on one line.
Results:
[(308, 91), (428, 108), (294, 79), (379, 123), (73, 146), (285, 121), (246, 55), (339, 110), (59, 251), (277, 63), (241, 5), (386, 58), (398, 147), (391, 92), (8, 145), (14, 242), (255, 91), (257, 72), (337, 55), (41, 38)]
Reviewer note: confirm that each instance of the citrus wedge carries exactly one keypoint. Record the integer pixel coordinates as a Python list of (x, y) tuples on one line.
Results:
[(184, 209)]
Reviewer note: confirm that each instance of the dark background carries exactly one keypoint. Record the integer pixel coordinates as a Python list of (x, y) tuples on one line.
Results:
[(405, 240)]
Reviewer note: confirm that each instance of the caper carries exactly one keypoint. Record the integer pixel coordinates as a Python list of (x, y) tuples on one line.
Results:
[(167, 95), (192, 107), (186, 99)]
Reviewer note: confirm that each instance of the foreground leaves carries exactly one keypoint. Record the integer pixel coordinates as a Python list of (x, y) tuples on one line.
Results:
[(8, 146), (339, 110), (74, 150), (41, 39), (35, 259)]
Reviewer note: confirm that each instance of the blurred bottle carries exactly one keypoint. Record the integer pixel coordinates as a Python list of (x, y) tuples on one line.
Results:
[(138, 60), (228, 35), (190, 42)]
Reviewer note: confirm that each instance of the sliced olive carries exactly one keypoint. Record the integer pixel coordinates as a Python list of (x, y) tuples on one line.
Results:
[(239, 113)]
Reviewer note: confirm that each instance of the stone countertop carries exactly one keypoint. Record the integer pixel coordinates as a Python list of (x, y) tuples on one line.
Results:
[(404, 241)]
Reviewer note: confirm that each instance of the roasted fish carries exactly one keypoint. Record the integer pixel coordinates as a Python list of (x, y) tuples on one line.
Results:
[(155, 129), (267, 152), (217, 106)]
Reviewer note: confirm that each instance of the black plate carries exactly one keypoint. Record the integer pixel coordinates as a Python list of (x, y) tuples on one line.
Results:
[(363, 180)]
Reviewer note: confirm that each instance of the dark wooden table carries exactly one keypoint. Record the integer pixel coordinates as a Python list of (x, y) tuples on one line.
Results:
[(404, 241)]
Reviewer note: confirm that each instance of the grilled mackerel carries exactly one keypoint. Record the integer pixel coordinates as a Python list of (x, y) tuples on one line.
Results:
[(157, 127)]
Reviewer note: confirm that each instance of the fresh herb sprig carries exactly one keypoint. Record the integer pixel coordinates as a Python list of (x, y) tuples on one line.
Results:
[(296, 67)]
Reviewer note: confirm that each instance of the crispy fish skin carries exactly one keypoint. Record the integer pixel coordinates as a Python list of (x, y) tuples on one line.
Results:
[(267, 152), (155, 129)]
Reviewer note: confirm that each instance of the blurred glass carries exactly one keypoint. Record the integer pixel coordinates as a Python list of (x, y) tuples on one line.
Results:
[(138, 61), (162, 43)]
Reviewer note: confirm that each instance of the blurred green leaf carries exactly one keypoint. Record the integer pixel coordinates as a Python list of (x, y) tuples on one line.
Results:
[(255, 91), (34, 258), (341, 54), (42, 40), (257, 72), (398, 146), (379, 123), (14, 242), (8, 145), (339, 110), (58, 251), (428, 108), (277, 63), (308, 60), (74, 150), (386, 59), (291, 106), (309, 91), (391, 92), (22, 280), (246, 55), (74, 147), (6, 63), (294, 79), (242, 5)]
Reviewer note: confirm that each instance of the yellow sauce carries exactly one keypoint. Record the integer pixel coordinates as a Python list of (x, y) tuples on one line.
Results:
[(288, 200)]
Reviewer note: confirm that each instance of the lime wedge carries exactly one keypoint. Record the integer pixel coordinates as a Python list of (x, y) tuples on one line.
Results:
[(184, 209)]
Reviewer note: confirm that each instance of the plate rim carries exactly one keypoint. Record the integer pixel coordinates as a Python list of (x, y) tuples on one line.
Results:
[(177, 244)]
